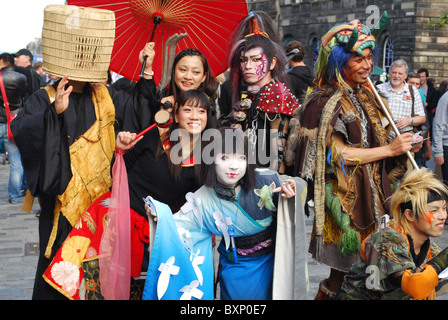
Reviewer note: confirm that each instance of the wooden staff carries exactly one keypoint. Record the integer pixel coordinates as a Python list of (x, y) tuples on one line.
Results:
[(394, 127)]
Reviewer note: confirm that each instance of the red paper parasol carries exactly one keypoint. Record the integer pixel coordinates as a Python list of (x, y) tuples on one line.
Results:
[(208, 23)]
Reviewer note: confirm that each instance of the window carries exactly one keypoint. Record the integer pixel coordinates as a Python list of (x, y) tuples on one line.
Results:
[(388, 54), (315, 50)]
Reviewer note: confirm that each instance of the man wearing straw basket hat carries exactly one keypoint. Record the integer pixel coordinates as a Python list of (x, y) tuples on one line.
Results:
[(66, 132), (339, 144)]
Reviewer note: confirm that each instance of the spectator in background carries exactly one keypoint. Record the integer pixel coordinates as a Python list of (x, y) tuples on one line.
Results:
[(40, 71), (52, 79), (414, 79), (15, 86), (38, 67), (425, 153), (24, 64), (122, 83), (440, 136), (287, 38), (433, 99), (425, 86), (300, 75), (404, 100)]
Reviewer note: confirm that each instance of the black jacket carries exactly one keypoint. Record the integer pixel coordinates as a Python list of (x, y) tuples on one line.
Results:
[(301, 78), (33, 80), (15, 87)]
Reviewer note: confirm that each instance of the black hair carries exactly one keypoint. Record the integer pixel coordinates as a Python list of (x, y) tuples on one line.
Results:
[(195, 98), (421, 70), (244, 27), (210, 84), (270, 48), (413, 75), (232, 140), (7, 58)]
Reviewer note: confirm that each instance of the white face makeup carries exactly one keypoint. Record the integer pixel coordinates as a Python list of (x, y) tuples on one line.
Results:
[(230, 168)]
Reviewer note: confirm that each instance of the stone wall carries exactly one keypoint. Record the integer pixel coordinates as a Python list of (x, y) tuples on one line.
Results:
[(431, 43)]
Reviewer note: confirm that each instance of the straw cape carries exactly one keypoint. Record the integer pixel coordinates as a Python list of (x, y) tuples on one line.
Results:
[(78, 41)]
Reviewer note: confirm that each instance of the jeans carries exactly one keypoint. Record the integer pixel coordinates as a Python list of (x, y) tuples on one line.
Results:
[(15, 166)]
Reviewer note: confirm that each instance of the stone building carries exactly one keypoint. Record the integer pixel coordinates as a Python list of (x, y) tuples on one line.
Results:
[(406, 36)]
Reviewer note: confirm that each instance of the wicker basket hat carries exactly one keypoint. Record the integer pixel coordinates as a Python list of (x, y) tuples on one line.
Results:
[(78, 41)]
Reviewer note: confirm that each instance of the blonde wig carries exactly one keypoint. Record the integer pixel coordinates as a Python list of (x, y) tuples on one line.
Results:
[(417, 189)]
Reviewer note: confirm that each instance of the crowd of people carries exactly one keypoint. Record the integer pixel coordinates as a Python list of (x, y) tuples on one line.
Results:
[(241, 161)]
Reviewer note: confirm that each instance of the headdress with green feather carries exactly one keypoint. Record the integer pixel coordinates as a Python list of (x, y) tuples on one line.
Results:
[(353, 37)]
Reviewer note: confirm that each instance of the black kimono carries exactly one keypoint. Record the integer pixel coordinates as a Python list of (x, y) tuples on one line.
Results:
[(149, 173)]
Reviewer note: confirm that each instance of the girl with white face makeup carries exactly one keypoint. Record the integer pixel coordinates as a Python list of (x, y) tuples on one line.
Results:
[(230, 168), (237, 202)]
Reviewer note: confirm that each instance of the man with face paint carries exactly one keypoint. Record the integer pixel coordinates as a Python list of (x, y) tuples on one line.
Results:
[(339, 144), (400, 261), (262, 100)]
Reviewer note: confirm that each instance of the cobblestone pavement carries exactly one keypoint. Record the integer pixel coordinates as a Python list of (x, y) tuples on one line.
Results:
[(19, 247), (18, 244)]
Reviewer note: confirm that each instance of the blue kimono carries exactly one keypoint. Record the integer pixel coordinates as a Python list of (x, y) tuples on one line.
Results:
[(181, 262)]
